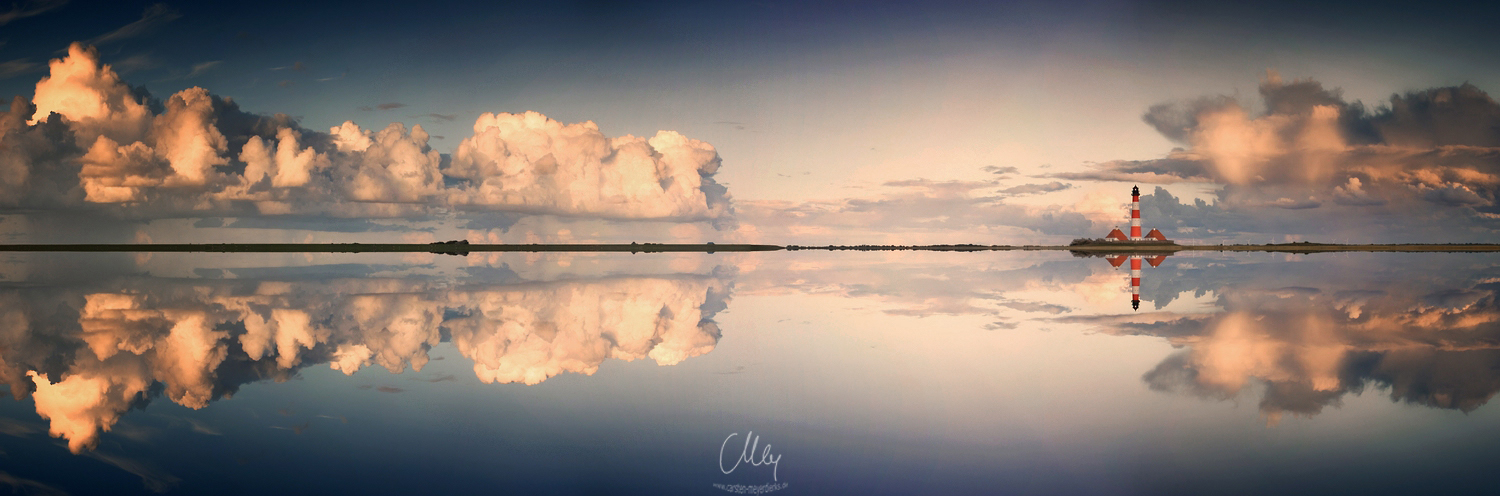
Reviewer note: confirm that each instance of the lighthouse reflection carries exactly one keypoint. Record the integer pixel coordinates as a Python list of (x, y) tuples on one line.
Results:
[(1133, 264), (1135, 272)]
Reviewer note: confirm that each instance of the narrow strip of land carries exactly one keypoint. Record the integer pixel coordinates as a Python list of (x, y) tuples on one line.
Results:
[(454, 248), (461, 248)]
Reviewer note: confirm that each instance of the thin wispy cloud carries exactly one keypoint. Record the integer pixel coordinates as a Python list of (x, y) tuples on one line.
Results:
[(196, 70), (340, 76), (154, 17), (1032, 189), (296, 66), (1000, 171), (23, 10), (442, 117), (18, 67), (383, 106), (202, 67), (134, 63)]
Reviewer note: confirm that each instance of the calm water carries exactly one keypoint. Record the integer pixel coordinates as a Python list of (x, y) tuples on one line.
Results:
[(898, 373)]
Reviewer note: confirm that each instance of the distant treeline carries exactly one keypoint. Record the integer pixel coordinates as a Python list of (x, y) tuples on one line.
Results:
[(963, 247)]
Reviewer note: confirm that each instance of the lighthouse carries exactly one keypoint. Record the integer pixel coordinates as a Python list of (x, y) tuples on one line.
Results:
[(1116, 235), (1135, 214)]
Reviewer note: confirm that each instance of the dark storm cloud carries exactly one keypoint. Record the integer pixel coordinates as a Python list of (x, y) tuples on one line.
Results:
[(1428, 156), (1462, 115), (1178, 120), (1249, 215), (1174, 168)]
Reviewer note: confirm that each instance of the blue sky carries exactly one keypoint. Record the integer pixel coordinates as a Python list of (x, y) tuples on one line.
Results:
[(834, 122)]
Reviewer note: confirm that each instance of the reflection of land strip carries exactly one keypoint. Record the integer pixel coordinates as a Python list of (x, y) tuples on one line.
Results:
[(388, 248), (1168, 248), (1111, 248), (1281, 248)]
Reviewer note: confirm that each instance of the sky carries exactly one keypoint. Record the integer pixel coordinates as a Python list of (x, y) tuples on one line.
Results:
[(766, 122)]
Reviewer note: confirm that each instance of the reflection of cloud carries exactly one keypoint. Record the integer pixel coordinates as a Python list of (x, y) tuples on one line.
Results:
[(156, 479), (1311, 344), (86, 403), (196, 342), (532, 334), (28, 486), (16, 428)]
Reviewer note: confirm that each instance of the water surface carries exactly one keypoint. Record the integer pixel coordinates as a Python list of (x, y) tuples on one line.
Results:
[(874, 372)]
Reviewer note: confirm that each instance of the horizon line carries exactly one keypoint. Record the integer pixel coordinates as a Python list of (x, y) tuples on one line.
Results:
[(456, 248)]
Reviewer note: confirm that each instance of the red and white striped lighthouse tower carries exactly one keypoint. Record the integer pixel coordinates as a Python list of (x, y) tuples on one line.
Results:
[(1135, 214), (1135, 274), (1118, 261)]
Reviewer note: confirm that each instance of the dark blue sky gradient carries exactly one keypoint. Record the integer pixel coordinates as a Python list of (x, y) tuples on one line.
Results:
[(393, 39)]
